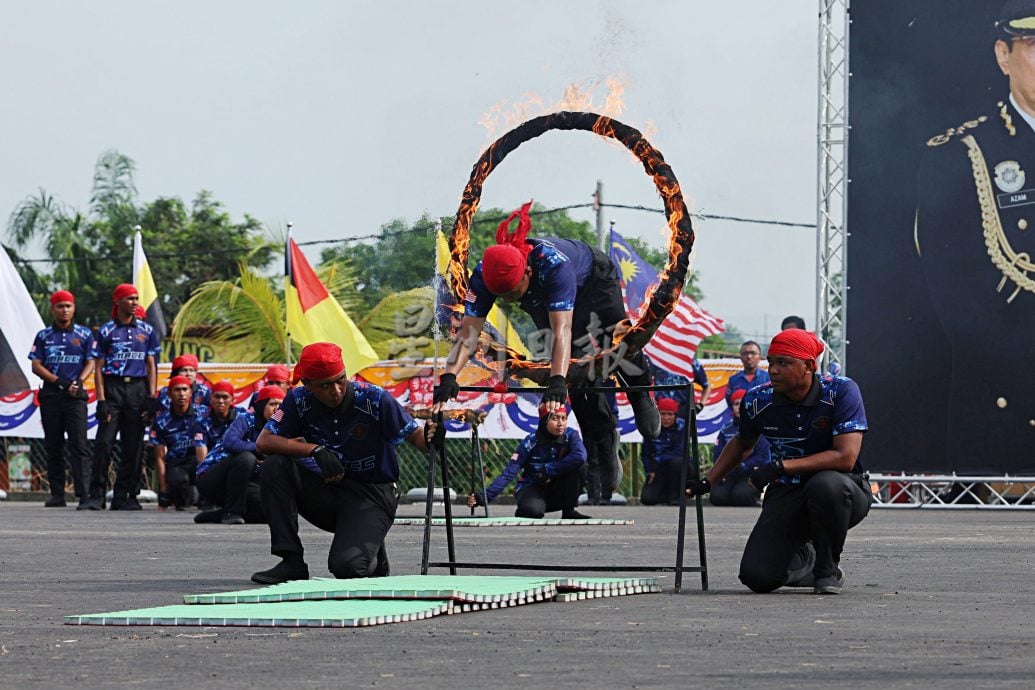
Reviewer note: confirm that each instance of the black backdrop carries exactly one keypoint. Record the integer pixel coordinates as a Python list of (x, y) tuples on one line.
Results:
[(918, 67)]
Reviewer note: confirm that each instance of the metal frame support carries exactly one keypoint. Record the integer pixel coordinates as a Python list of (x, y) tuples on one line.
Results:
[(832, 166), (952, 491)]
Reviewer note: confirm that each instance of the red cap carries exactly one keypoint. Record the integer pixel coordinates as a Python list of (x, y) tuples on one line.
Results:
[(503, 266), (223, 386), (124, 290), (185, 361), (738, 395), (179, 381), (62, 296), (796, 343), (270, 393), (319, 362), (278, 373), (667, 405)]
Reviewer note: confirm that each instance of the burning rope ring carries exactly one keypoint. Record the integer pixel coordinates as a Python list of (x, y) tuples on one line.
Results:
[(670, 285)]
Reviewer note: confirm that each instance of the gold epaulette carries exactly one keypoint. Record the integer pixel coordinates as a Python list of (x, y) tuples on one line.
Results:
[(939, 139)]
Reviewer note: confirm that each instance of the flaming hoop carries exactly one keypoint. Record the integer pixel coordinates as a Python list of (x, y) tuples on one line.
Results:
[(664, 296)]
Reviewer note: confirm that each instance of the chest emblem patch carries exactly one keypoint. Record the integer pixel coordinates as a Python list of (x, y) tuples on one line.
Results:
[(1009, 177)]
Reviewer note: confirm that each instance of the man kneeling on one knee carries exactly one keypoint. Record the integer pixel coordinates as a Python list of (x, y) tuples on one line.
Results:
[(330, 457), (817, 489)]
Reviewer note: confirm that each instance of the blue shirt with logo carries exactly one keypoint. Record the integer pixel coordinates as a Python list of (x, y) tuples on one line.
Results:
[(536, 454), (209, 431), (559, 268), (126, 347), (364, 434), (833, 406), (176, 433), (63, 351)]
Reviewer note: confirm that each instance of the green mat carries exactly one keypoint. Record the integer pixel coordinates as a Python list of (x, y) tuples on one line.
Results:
[(301, 614), (508, 522), (472, 589)]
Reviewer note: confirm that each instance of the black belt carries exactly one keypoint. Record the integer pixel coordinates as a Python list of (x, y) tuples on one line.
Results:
[(124, 379)]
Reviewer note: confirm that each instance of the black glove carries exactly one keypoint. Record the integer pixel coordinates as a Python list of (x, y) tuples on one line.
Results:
[(556, 390), (164, 499), (102, 411), (438, 438), (63, 384), (447, 389), (697, 487), (763, 476), (328, 462), (698, 406)]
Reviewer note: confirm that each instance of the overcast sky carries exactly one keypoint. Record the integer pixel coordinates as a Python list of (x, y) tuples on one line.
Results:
[(340, 115)]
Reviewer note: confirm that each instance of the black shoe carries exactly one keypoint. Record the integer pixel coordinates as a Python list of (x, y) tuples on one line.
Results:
[(285, 571), (91, 504), (832, 584), (180, 509), (648, 419), (133, 504), (55, 502), (383, 568), (573, 515), (209, 516), (232, 519), (84, 504), (805, 560)]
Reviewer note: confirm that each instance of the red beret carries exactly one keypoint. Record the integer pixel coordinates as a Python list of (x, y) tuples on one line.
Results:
[(738, 395), (667, 405), (270, 393), (796, 343), (124, 290), (62, 296), (185, 361), (320, 361), (223, 387), (503, 266), (179, 381), (278, 373)]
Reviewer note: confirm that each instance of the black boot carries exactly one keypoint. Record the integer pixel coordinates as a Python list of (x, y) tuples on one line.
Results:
[(290, 568)]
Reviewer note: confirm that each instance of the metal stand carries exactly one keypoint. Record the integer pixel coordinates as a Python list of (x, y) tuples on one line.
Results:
[(477, 467), (689, 454)]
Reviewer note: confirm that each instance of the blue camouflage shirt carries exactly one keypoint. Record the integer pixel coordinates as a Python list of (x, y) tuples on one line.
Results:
[(667, 447), (832, 407), (364, 434), (125, 347), (63, 351), (239, 438), (176, 433), (759, 454), (559, 268), (534, 455), (208, 431)]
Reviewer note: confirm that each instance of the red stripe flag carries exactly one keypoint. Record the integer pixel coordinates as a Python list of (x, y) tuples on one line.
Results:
[(675, 343)]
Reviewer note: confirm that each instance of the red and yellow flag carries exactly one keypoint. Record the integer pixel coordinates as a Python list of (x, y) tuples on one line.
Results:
[(314, 316)]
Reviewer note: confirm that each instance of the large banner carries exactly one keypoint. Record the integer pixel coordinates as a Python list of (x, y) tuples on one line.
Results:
[(507, 415), (941, 215)]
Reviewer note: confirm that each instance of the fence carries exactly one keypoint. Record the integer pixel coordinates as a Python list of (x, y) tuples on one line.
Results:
[(413, 471)]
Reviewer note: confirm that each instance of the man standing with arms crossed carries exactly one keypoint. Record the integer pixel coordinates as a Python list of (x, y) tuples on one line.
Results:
[(126, 379), (61, 356)]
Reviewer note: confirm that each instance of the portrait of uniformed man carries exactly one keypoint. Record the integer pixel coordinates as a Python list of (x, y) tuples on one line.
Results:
[(975, 239)]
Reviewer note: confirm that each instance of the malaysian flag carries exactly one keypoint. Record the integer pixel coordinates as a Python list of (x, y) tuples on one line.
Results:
[(674, 344)]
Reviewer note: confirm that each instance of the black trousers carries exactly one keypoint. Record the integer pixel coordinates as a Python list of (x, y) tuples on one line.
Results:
[(733, 492), (357, 513), (562, 493), (63, 414), (821, 509), (229, 484), (178, 479), (665, 488), (600, 296), (126, 401)]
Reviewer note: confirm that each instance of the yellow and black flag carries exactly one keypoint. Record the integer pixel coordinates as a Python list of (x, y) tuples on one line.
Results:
[(144, 282)]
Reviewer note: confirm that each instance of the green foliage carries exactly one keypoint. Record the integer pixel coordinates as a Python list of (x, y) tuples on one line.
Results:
[(93, 252)]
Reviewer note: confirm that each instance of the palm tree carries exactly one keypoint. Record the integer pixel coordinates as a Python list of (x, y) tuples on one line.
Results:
[(251, 309)]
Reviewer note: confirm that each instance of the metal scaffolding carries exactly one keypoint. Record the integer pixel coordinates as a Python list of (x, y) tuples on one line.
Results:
[(833, 180)]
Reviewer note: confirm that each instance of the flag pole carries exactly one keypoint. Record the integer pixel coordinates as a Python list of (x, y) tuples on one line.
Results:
[(287, 280)]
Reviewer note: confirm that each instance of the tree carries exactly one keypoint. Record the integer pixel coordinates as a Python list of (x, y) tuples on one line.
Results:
[(92, 251)]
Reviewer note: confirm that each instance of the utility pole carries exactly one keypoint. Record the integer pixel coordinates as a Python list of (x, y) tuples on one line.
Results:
[(598, 202)]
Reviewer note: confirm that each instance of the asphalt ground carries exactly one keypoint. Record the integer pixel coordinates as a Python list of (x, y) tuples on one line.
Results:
[(933, 598)]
